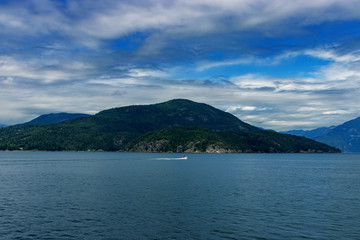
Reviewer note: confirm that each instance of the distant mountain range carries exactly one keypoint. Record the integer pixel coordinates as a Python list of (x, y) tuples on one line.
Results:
[(52, 118), (345, 137), (311, 133), (55, 118), (175, 126)]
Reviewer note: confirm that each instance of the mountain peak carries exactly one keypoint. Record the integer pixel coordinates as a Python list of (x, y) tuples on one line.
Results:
[(175, 113)]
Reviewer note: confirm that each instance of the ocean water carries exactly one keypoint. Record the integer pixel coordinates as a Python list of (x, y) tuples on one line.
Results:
[(62, 195)]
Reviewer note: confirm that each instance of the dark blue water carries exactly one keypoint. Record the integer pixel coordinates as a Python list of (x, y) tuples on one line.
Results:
[(209, 196)]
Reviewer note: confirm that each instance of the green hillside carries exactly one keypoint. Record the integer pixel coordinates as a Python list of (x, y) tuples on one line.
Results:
[(121, 129), (193, 139)]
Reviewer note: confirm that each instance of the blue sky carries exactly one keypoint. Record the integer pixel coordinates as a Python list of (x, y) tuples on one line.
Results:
[(275, 64)]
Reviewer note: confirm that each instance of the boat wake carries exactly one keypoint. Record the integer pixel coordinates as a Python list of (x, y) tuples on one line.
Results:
[(181, 158)]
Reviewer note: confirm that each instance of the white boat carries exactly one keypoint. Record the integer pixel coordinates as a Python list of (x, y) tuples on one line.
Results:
[(183, 158)]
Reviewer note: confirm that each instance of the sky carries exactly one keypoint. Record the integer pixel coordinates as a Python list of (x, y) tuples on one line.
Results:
[(275, 64)]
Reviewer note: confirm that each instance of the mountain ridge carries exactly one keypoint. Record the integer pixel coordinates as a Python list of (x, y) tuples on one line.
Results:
[(55, 118), (116, 129), (345, 136), (317, 132)]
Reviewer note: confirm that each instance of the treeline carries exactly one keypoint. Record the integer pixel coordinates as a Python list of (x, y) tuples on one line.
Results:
[(177, 139), (194, 139)]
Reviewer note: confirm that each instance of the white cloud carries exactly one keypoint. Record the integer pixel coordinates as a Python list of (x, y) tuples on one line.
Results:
[(336, 112), (235, 109), (136, 72), (117, 82), (307, 109), (333, 56), (335, 72), (320, 53), (32, 18), (253, 81), (35, 70)]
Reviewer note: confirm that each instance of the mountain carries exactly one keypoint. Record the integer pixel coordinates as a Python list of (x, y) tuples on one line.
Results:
[(55, 118), (125, 128), (178, 112), (346, 136), (311, 133), (2, 125)]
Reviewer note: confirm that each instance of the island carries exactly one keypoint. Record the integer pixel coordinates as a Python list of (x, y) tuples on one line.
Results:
[(177, 125)]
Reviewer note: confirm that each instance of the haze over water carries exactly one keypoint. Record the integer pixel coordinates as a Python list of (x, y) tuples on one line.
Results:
[(56, 195)]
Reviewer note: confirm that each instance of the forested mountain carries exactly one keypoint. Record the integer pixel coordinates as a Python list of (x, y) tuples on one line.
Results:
[(180, 122)]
